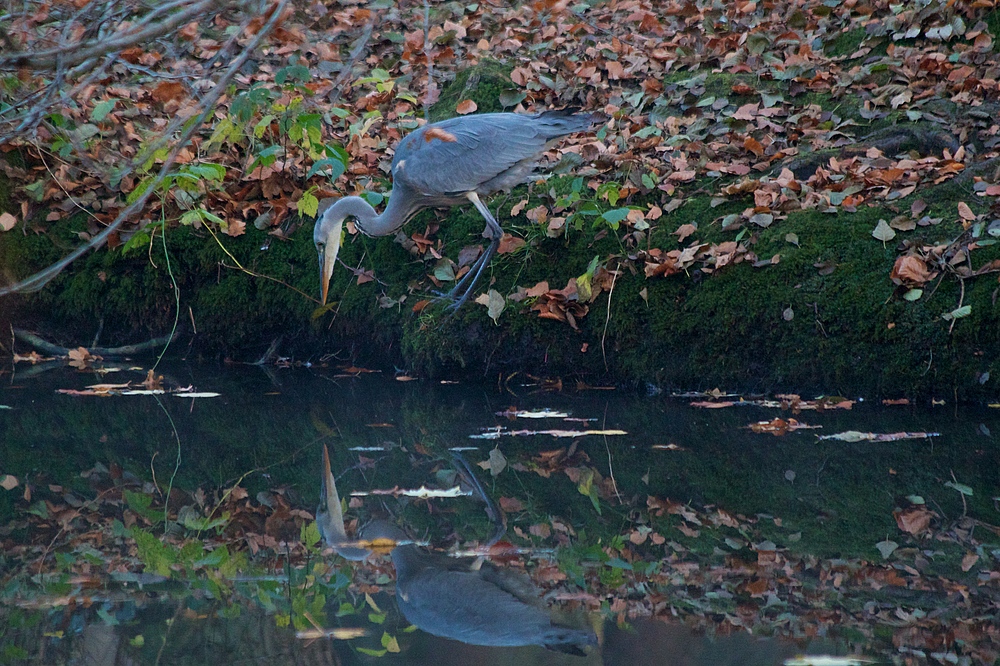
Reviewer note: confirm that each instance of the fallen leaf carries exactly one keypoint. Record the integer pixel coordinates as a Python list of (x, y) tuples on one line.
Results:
[(965, 212), (465, 106)]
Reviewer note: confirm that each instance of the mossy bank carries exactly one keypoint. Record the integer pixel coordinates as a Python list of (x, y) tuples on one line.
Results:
[(825, 317)]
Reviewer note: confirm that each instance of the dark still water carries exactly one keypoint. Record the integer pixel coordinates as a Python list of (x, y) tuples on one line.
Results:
[(636, 529)]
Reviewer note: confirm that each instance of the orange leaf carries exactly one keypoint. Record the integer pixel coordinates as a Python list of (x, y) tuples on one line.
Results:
[(538, 290), (168, 91), (754, 146), (913, 520), (965, 212), (465, 106), (510, 244), (912, 271), (438, 133)]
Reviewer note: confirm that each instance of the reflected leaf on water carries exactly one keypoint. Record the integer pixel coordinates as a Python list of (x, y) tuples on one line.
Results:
[(667, 447), (826, 660), (779, 426), (499, 432), (514, 413), (855, 436), (423, 492)]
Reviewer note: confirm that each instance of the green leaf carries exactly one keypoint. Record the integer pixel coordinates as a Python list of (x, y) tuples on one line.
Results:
[(139, 190), (913, 295), (138, 240), (335, 165), (101, 110), (390, 643), (292, 73), (308, 204), (207, 170), (615, 216), (190, 217), (444, 271), (960, 487), (957, 313), (372, 653), (262, 125)]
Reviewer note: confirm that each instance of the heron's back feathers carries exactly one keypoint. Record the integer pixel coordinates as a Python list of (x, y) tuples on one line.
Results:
[(480, 153)]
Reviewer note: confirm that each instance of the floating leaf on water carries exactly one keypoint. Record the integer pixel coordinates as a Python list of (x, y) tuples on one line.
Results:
[(855, 436), (422, 492), (826, 660), (668, 447), (497, 433), (535, 414)]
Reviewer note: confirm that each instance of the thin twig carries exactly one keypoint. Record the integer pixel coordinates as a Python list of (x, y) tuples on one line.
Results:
[(614, 277)]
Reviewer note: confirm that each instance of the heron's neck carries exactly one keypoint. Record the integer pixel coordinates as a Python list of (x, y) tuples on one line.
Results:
[(396, 213)]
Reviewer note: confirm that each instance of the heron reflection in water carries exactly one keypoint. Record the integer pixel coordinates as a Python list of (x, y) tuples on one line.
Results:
[(467, 600)]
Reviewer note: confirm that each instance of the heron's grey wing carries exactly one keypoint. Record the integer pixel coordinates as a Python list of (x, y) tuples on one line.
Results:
[(461, 154)]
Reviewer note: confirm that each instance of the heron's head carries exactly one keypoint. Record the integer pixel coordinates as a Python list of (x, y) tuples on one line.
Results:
[(327, 236)]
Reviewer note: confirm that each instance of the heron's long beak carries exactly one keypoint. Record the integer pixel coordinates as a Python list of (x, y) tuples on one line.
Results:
[(328, 259), (330, 516)]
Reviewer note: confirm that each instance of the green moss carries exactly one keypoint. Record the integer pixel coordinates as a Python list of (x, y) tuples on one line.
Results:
[(845, 43), (993, 24), (483, 83)]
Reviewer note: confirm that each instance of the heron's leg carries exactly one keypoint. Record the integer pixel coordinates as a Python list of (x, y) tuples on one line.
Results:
[(494, 232)]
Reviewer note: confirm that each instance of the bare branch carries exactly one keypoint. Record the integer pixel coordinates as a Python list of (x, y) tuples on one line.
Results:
[(75, 54), (206, 106)]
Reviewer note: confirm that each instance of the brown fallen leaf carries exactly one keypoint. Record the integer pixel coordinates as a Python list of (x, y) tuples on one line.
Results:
[(465, 106), (913, 520)]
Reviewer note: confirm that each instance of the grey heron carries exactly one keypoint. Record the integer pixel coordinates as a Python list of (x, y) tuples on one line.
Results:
[(446, 164), (472, 601), (463, 599)]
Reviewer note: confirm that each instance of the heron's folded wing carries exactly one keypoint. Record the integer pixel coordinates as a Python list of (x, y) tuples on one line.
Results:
[(458, 155)]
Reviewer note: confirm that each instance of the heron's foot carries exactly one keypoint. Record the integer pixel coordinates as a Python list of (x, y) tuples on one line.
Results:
[(453, 299)]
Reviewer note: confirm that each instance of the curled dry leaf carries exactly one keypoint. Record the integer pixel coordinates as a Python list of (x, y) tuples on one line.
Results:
[(560, 304), (911, 271)]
